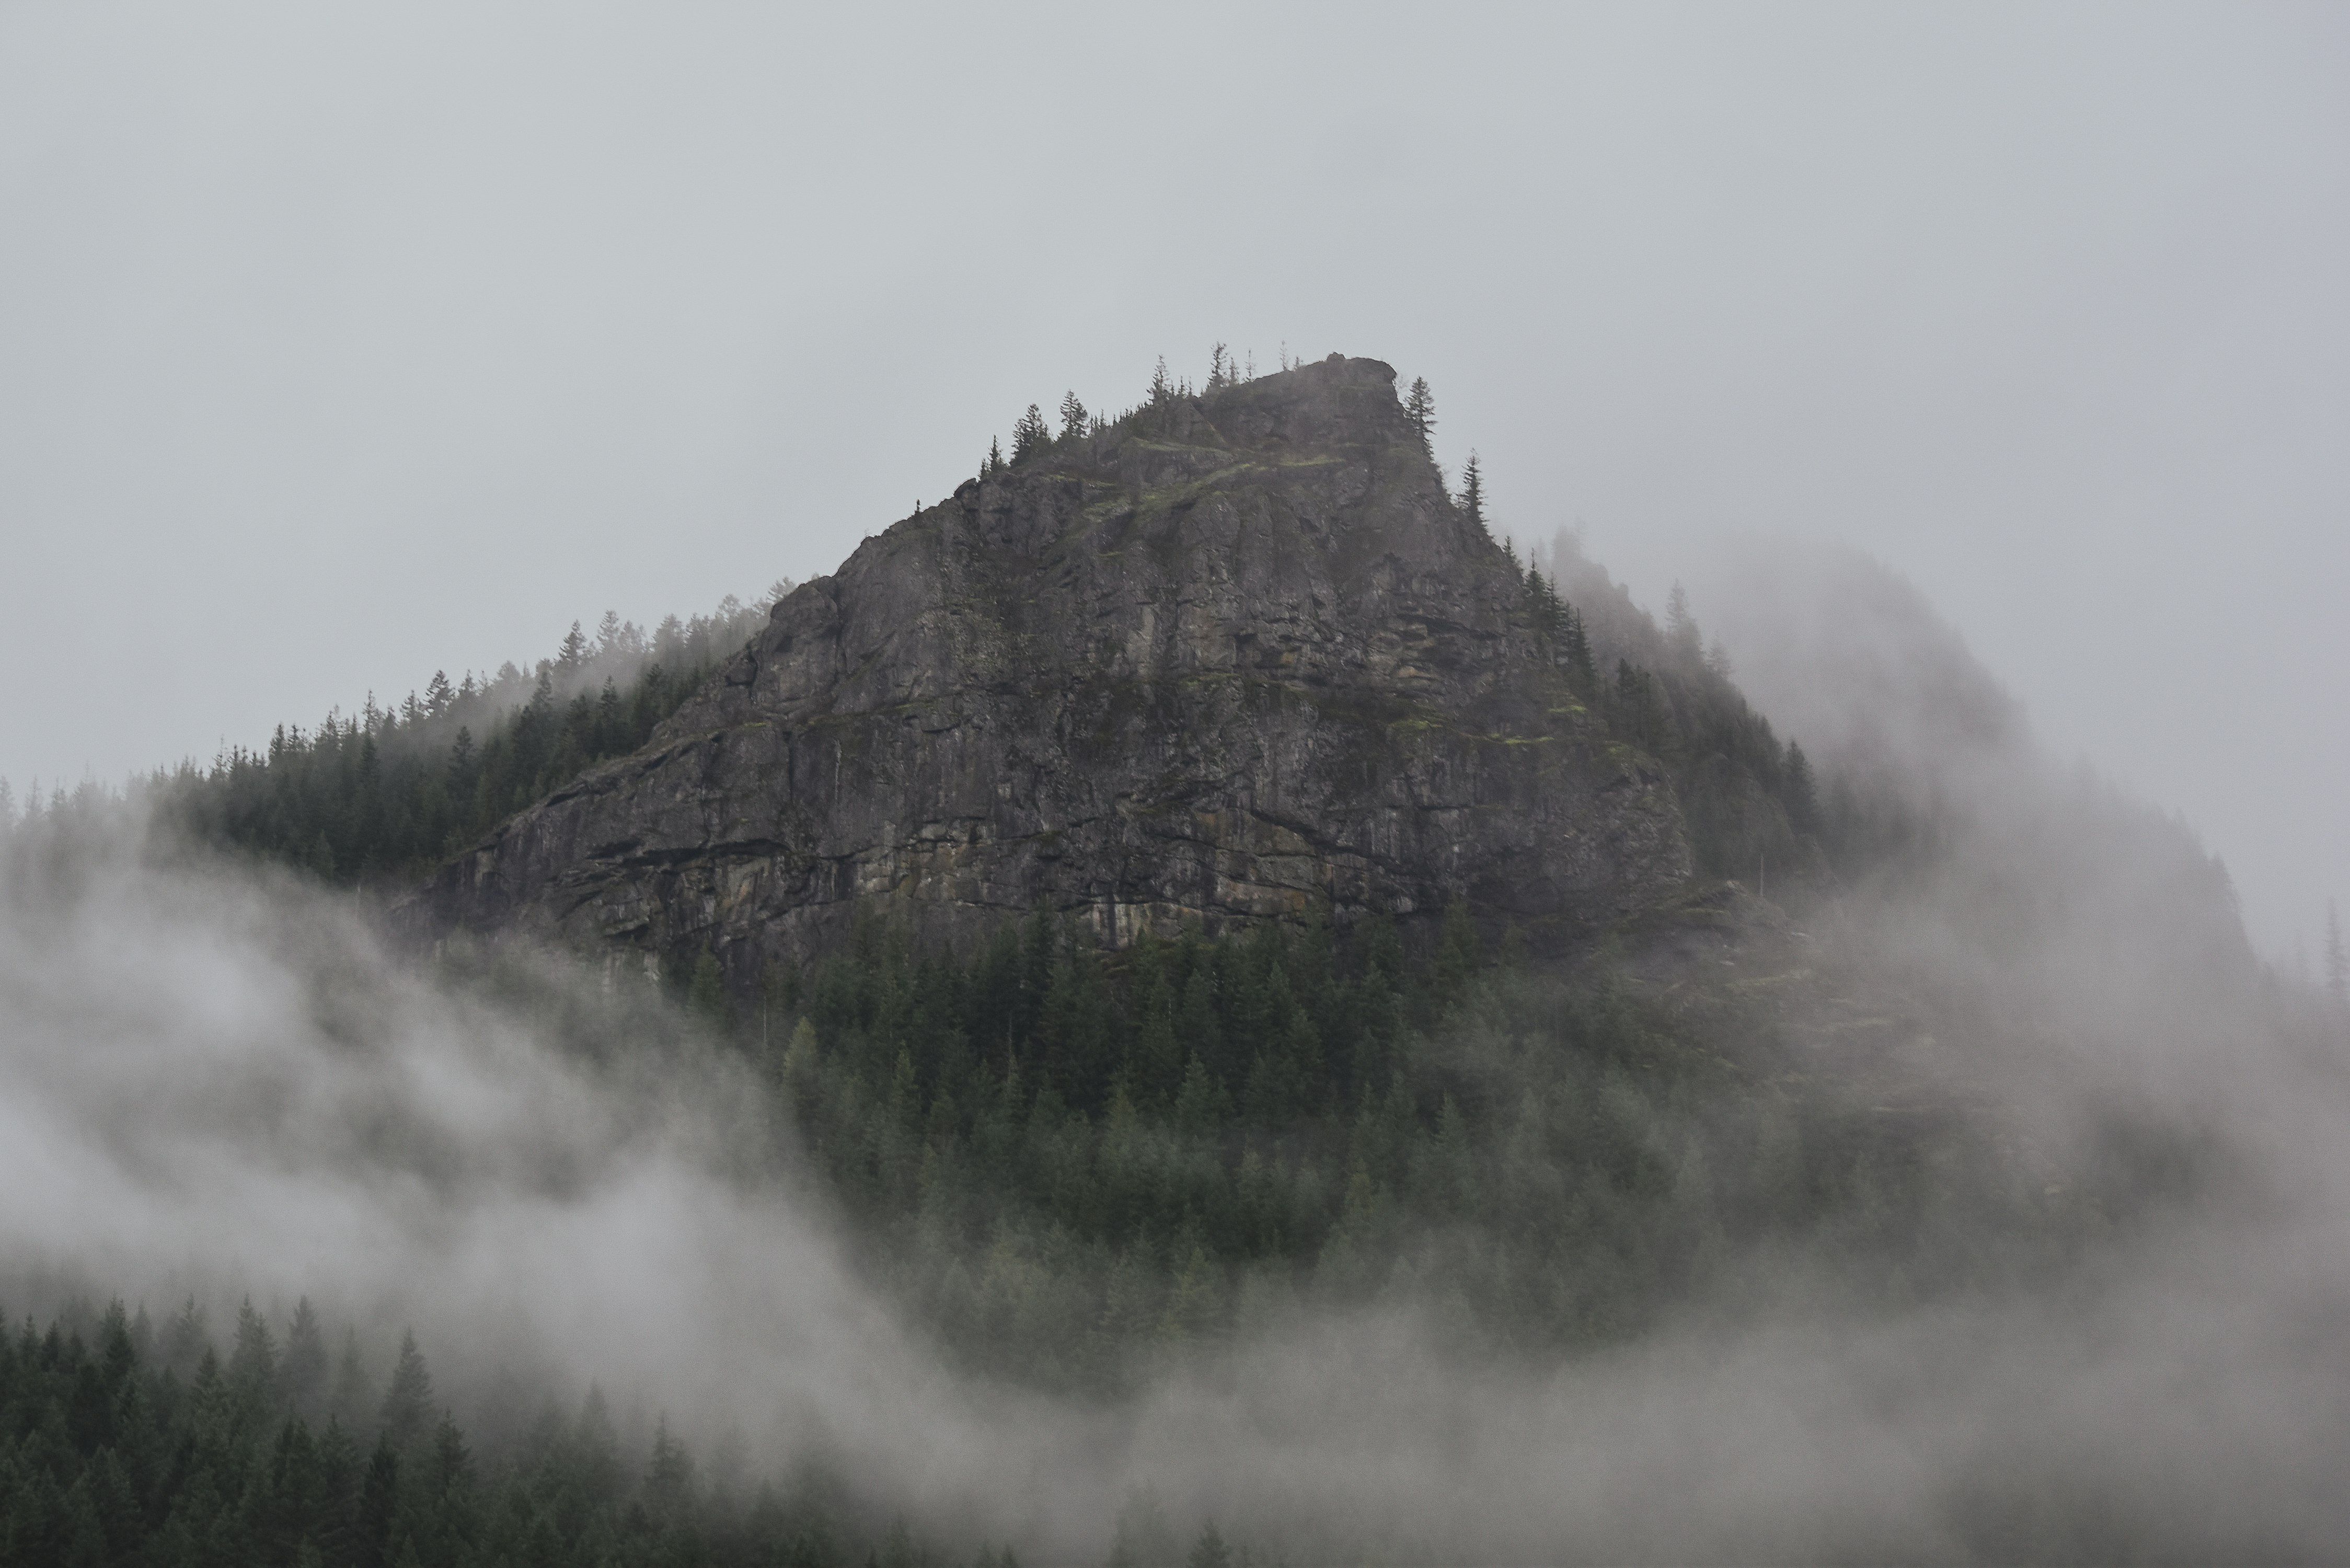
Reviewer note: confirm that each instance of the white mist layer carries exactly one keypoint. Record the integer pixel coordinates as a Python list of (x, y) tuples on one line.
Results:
[(222, 1084)]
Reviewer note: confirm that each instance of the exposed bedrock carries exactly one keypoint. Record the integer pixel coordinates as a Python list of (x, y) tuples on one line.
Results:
[(1238, 658)]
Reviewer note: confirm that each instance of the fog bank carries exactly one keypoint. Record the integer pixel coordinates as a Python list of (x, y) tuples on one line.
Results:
[(218, 1082)]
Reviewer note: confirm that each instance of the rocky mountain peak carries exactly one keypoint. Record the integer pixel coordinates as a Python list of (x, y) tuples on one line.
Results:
[(1234, 657)]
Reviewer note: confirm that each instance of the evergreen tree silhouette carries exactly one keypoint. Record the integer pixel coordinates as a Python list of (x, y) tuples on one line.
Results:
[(407, 1412), (1472, 495)]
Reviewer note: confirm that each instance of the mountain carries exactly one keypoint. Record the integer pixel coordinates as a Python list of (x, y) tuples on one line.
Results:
[(1231, 658), (1957, 1152)]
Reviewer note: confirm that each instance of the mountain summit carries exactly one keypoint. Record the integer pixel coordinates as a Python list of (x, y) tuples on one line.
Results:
[(1231, 658)]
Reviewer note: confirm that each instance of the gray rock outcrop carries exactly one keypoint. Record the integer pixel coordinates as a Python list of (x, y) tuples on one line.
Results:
[(1236, 657)]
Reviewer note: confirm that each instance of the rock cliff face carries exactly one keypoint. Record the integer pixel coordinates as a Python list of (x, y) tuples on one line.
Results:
[(1236, 657)]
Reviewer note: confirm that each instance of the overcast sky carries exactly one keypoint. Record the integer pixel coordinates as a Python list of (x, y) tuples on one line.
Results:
[(337, 347)]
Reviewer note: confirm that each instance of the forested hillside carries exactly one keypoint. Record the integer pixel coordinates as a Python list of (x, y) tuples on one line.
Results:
[(381, 792), (1071, 1160), (1081, 1168)]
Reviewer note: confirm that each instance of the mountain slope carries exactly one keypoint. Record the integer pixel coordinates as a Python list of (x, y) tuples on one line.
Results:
[(1231, 659)]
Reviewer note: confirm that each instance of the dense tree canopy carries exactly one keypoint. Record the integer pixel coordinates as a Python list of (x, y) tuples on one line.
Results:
[(120, 1444), (384, 790)]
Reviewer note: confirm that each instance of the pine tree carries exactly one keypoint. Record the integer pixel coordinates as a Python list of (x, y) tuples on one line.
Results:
[(1074, 417), (407, 1402), (463, 768), (1472, 495), (186, 1341), (1219, 370), (669, 1475), (302, 1371), (1209, 1550), (1420, 408), (1543, 608), (1162, 391), (1030, 435), (439, 697), (1578, 650), (379, 1503), (1799, 794), (348, 1401), (1680, 626), (253, 1365), (995, 464), (573, 651)]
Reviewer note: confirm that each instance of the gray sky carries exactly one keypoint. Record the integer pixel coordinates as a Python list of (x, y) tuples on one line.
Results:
[(336, 348)]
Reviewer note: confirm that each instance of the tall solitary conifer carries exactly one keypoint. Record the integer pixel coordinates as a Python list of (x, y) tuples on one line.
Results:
[(1420, 408)]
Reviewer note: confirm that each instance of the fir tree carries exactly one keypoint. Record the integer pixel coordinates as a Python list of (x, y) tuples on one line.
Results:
[(610, 733), (1420, 408), (1579, 660), (1030, 435), (1210, 1550), (302, 1371), (1799, 794), (348, 1399), (1472, 495), (252, 1364), (1680, 626), (1074, 417), (462, 764), (408, 1403)]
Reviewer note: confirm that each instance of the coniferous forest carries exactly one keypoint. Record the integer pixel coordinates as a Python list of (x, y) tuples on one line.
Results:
[(1071, 1166), (128, 1444), (379, 792)]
